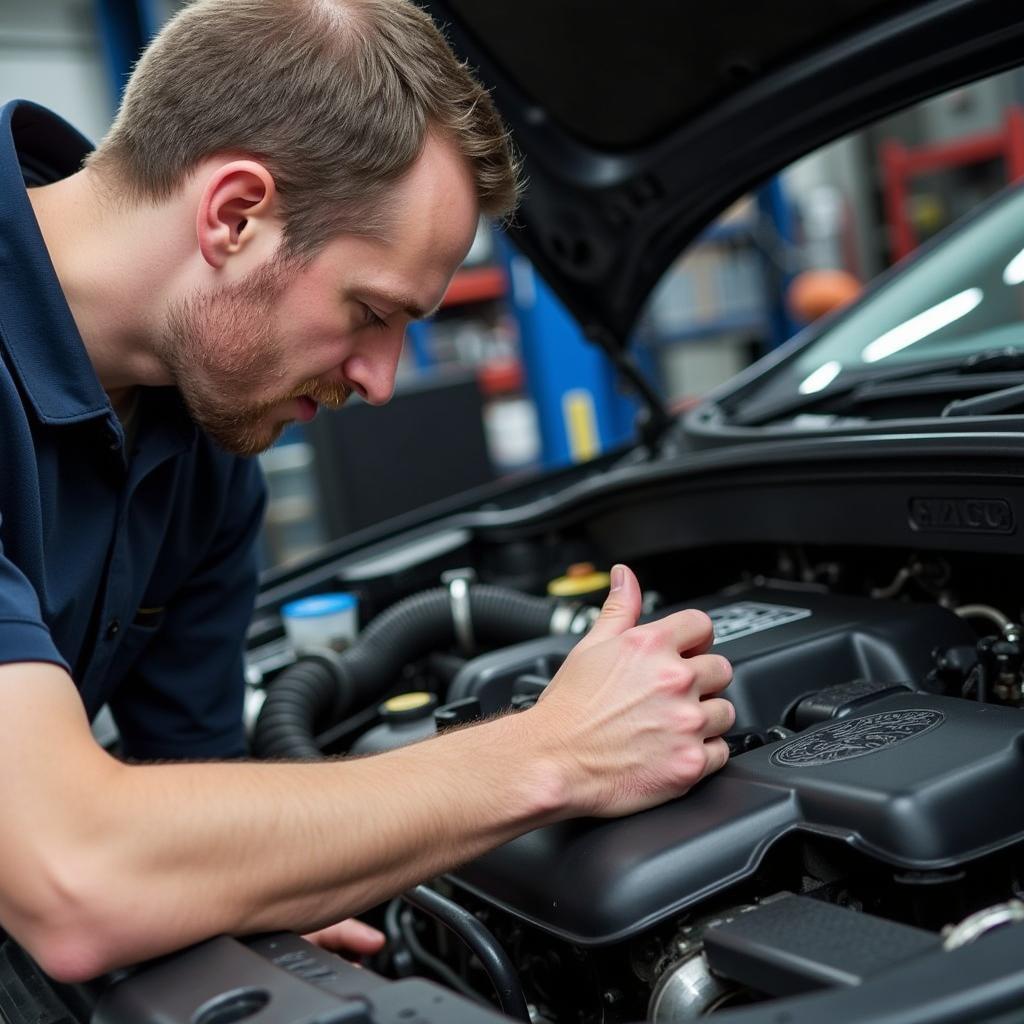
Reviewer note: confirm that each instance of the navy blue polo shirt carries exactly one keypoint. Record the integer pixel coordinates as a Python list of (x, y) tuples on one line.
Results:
[(134, 570)]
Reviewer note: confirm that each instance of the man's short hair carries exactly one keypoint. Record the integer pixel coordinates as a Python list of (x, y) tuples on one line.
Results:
[(336, 97)]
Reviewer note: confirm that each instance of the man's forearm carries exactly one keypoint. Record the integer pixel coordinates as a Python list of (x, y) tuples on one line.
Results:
[(185, 851), (104, 864)]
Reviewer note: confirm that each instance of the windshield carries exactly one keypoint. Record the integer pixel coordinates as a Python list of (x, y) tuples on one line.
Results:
[(964, 296)]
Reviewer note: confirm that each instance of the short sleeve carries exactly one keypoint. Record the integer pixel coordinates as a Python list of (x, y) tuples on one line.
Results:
[(23, 634)]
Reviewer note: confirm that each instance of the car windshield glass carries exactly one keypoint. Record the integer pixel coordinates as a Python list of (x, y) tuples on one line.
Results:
[(964, 296)]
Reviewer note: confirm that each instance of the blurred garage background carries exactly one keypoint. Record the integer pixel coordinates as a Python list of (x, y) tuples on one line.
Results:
[(482, 392)]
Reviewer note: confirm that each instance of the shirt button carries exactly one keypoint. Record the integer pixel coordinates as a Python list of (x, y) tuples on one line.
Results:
[(113, 628)]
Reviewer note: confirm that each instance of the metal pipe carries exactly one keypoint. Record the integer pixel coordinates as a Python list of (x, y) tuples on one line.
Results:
[(496, 962)]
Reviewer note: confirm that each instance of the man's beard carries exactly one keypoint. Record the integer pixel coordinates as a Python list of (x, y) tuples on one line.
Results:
[(220, 346)]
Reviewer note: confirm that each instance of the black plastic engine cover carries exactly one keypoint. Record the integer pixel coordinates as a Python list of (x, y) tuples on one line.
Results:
[(917, 781), (787, 644)]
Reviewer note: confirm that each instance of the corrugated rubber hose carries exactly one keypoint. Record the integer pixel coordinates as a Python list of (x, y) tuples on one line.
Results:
[(315, 692)]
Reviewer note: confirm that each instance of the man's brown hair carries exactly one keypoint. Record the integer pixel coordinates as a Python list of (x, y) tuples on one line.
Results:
[(335, 96)]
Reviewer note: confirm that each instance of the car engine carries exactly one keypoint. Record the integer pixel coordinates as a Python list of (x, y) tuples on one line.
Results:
[(869, 812)]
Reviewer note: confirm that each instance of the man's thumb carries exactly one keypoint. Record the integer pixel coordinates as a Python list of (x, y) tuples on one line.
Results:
[(621, 607)]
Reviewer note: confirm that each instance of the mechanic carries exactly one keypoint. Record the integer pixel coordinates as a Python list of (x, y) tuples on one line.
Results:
[(285, 187)]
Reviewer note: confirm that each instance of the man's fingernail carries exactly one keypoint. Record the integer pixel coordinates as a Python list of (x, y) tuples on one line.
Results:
[(618, 576)]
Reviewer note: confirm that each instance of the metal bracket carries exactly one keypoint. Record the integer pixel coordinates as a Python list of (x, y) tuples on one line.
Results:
[(457, 581)]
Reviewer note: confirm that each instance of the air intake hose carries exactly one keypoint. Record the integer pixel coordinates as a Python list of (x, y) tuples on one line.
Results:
[(317, 691)]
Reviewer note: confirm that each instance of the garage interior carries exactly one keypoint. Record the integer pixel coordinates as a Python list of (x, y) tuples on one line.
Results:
[(501, 398)]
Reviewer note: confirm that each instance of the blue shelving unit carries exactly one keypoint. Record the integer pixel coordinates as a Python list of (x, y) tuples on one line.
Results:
[(125, 28), (580, 409), (417, 337), (777, 212), (744, 293)]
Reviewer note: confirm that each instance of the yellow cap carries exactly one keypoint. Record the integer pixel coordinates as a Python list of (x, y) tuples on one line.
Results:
[(578, 580), (407, 701)]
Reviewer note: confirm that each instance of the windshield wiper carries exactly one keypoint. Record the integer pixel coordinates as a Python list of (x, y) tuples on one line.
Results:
[(989, 404), (865, 386)]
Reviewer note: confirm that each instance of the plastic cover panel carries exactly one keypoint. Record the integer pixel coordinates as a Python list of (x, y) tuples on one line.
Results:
[(619, 75), (921, 798), (787, 644)]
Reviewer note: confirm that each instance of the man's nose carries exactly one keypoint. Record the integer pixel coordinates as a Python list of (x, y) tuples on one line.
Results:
[(371, 369)]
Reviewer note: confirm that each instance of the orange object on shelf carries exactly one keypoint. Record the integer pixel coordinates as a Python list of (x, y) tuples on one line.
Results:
[(813, 293), (477, 284)]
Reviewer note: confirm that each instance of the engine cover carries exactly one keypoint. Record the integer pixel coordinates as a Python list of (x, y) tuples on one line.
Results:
[(787, 644), (920, 782), (915, 780)]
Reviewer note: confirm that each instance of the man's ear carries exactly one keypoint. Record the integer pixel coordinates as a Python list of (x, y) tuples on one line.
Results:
[(238, 205)]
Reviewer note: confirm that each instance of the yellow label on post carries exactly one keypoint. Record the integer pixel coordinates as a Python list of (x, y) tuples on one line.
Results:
[(581, 424)]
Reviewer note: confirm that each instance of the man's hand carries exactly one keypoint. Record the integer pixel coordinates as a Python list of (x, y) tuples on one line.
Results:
[(349, 938), (634, 712)]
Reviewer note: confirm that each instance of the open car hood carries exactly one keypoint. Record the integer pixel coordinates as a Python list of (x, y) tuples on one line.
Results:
[(639, 123)]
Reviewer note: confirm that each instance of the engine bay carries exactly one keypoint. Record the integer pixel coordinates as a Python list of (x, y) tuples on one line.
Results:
[(868, 814)]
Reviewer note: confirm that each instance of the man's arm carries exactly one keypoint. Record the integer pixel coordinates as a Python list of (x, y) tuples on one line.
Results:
[(103, 864)]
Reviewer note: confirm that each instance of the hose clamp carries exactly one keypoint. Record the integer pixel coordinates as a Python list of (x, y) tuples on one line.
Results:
[(561, 618), (584, 619), (973, 927), (572, 619), (457, 581)]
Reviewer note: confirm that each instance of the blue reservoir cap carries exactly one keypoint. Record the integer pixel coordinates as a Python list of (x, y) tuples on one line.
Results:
[(319, 604)]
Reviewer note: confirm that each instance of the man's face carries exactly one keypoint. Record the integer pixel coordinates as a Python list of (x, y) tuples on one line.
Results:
[(250, 357)]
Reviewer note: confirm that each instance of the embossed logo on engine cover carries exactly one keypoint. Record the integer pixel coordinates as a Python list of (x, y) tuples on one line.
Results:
[(961, 515), (856, 737)]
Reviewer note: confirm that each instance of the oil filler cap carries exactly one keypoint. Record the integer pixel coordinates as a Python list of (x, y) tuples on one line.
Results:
[(408, 707), (580, 580)]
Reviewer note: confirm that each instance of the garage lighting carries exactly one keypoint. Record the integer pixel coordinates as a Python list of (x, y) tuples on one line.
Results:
[(922, 325), (1014, 272), (821, 378)]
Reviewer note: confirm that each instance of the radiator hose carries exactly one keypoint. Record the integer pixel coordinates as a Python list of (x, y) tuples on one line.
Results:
[(318, 690)]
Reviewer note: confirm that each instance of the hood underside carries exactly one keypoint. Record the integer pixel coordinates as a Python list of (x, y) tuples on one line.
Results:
[(639, 123)]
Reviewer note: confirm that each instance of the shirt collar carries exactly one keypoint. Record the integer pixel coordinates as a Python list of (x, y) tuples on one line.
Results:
[(36, 325)]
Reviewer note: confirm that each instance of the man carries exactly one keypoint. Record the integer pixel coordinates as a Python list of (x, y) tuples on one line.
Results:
[(287, 185)]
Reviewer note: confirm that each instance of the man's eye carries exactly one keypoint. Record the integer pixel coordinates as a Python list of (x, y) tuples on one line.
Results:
[(372, 320)]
